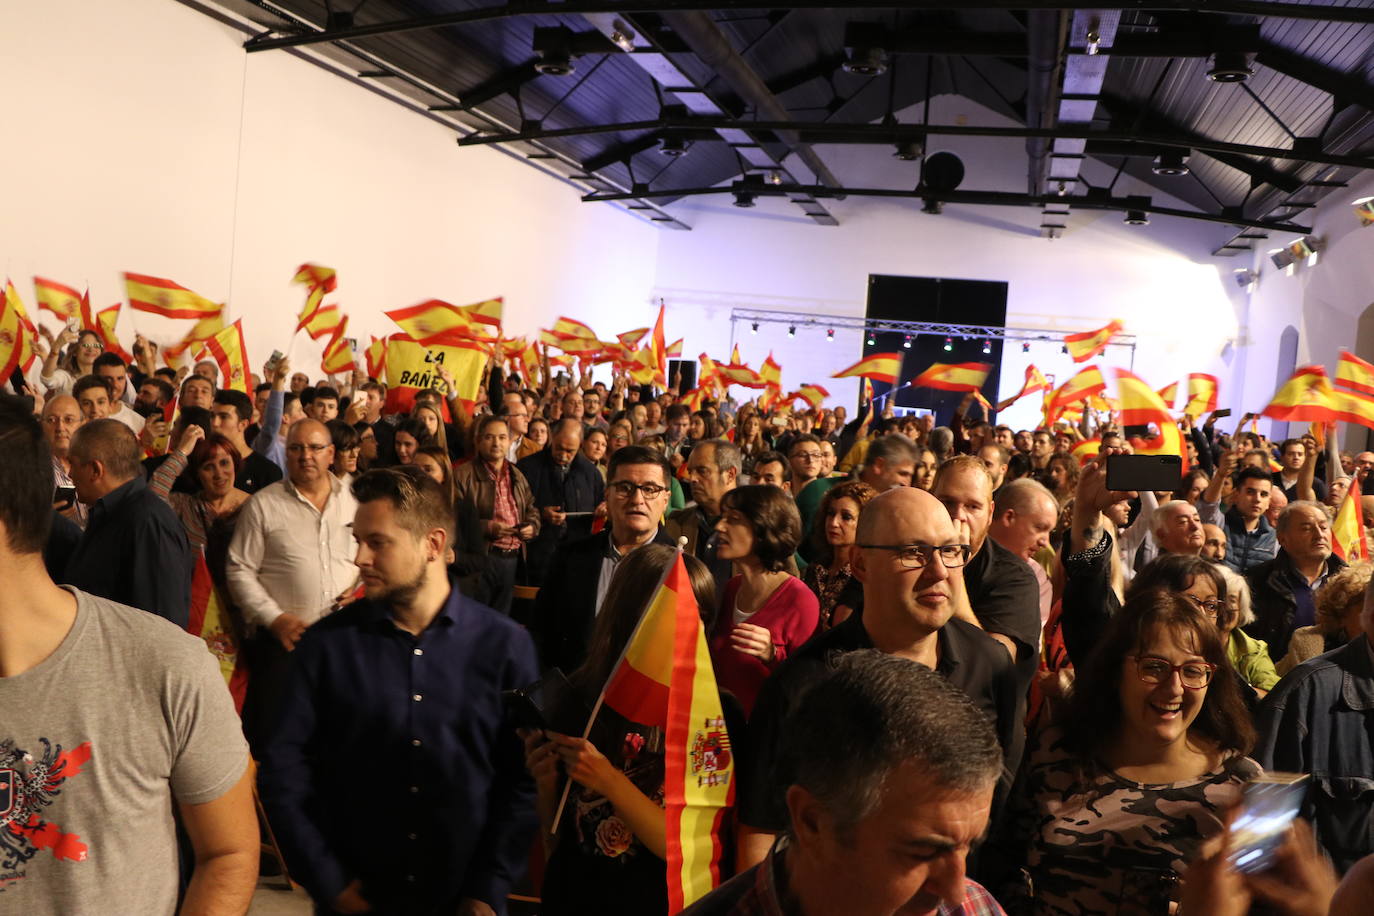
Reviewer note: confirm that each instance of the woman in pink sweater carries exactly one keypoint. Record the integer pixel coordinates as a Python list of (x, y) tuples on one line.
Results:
[(767, 612)]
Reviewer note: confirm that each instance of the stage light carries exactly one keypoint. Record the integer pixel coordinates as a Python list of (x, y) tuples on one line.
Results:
[(792, 331), (623, 37), (672, 147), (949, 344), (1094, 43), (1171, 162), (1245, 278), (908, 151), (754, 328), (1229, 67), (1136, 218), (745, 198), (1064, 348), (1025, 346), (907, 343), (872, 341), (868, 61), (830, 336), (987, 347)]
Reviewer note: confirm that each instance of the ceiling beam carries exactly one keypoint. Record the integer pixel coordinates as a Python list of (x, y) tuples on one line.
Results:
[(1344, 89), (822, 132), (964, 43), (500, 84), (1271, 9)]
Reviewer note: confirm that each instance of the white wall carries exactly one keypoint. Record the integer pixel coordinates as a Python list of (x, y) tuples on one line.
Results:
[(143, 138)]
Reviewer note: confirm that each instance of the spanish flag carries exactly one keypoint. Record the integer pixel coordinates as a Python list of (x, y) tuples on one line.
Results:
[(664, 678), (1082, 386), (431, 320), (62, 301), (315, 276), (375, 357), (323, 322), (1084, 346), (231, 355), (1364, 209), (1352, 407), (771, 373), (953, 376), (881, 367), (710, 372), (165, 298), (13, 335), (1169, 394), (737, 373), (642, 367), (1348, 540), (105, 321), (674, 350), (1087, 450), (487, 312), (630, 339), (813, 395), (1141, 405), (571, 327), (338, 353), (1354, 373), (1306, 396), (1202, 394), (692, 399), (411, 367), (28, 337), (658, 346)]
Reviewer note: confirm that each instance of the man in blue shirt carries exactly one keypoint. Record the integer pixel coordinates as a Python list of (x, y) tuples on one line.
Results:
[(392, 779)]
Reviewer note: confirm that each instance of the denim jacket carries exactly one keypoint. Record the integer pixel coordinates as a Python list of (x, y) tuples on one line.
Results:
[(1319, 720)]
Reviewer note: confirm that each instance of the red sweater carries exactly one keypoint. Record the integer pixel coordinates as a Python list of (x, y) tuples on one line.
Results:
[(791, 614)]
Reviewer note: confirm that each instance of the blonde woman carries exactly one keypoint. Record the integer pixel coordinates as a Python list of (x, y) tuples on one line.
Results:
[(1339, 602)]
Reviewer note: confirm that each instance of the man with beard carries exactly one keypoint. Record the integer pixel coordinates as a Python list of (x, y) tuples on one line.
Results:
[(403, 689)]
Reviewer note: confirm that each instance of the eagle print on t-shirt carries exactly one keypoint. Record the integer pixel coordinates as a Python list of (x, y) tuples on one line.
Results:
[(27, 786)]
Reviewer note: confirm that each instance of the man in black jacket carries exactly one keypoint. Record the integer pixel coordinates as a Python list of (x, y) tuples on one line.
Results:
[(134, 549), (637, 489), (567, 489), (1283, 590)]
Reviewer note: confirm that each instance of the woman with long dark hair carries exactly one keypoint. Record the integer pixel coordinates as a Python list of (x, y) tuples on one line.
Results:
[(832, 535)]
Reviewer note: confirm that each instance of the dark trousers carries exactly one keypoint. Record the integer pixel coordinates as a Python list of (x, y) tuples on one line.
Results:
[(268, 665), (500, 577)]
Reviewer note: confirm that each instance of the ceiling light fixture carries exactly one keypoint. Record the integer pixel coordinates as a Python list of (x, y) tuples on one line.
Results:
[(987, 347), (775, 177), (1063, 189), (1094, 44), (1025, 346), (754, 328), (949, 344), (872, 341), (1136, 218), (1230, 67), (908, 150), (623, 37), (672, 147), (1171, 162), (792, 331), (907, 342), (871, 61), (830, 336)]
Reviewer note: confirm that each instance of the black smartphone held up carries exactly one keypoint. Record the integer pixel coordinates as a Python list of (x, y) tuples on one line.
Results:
[(1221, 414), (549, 703), (17, 380), (1144, 472), (63, 498), (1271, 802)]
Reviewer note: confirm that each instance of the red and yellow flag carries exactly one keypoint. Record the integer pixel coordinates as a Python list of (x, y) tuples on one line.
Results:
[(630, 339), (165, 298), (315, 275), (375, 357), (881, 367), (1087, 344), (665, 678), (323, 322), (736, 373), (13, 335), (771, 374), (1082, 386), (1087, 450), (659, 348), (1169, 394), (28, 335), (487, 312), (571, 327), (1306, 396), (710, 372), (105, 321), (674, 350), (231, 355), (338, 353), (412, 366), (1352, 407), (1354, 373), (953, 376), (1348, 539), (1141, 405), (434, 319), (1202, 394), (813, 395), (54, 297)]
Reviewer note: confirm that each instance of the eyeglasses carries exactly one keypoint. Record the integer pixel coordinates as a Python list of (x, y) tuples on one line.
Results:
[(1155, 670), (807, 456), (626, 490), (1209, 606), (299, 448), (92, 346), (917, 556)]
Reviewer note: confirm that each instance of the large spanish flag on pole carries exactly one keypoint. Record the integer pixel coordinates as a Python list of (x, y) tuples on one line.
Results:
[(953, 376), (1354, 373), (1306, 396), (665, 678), (1087, 344), (231, 355), (1348, 539), (412, 367), (165, 298), (1202, 394), (881, 367)]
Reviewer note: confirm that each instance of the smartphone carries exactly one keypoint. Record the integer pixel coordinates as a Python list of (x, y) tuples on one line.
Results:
[(1270, 803), (549, 703), (1144, 472), (17, 380), (64, 498), (1224, 412), (274, 360), (72, 324)]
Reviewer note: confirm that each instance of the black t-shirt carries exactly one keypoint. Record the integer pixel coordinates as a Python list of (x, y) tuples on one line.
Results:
[(255, 472), (1005, 597), (969, 659)]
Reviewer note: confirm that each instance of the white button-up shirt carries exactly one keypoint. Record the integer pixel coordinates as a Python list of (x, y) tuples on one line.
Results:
[(287, 555)]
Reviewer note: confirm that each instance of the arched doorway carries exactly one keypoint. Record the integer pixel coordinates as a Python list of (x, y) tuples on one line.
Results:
[(1283, 371)]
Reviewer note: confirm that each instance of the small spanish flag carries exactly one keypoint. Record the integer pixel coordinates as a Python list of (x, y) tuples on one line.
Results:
[(1087, 344), (881, 367), (27, 334), (1087, 450), (1306, 396), (105, 321), (1354, 373), (315, 276), (1348, 539), (375, 357), (231, 355), (486, 312), (431, 320), (165, 298), (57, 298), (664, 678), (1202, 394), (338, 353), (953, 376), (1082, 386), (658, 346), (710, 372), (771, 373), (571, 327), (737, 373), (813, 395), (630, 339), (674, 350), (1352, 407), (1169, 394), (1141, 405), (323, 323)]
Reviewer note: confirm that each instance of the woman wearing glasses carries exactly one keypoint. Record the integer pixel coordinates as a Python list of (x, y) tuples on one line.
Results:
[(1119, 797), (79, 359), (766, 612)]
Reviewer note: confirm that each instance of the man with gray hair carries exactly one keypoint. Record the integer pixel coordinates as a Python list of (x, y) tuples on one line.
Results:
[(1178, 528), (134, 550), (713, 468), (1283, 590), (889, 462), (880, 748)]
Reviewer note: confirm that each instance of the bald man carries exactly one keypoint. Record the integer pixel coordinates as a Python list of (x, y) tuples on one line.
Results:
[(134, 550), (909, 559), (61, 419), (1023, 515), (289, 563)]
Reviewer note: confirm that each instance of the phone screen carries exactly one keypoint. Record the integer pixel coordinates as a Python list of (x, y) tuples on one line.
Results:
[(1270, 804)]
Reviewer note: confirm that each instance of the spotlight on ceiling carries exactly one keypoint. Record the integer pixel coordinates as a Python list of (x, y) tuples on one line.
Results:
[(1063, 348), (830, 336), (908, 151), (949, 344), (792, 331), (1171, 162), (1229, 67), (872, 341), (745, 198), (866, 61), (553, 45), (907, 342), (1282, 257), (672, 147), (987, 347), (1025, 346), (932, 206), (754, 328), (775, 177), (1063, 189), (1136, 218), (1245, 277), (623, 37)]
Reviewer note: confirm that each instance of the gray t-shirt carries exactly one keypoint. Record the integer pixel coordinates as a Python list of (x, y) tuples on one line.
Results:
[(97, 743)]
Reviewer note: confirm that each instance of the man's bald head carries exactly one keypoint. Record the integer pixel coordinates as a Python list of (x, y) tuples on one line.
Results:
[(301, 430), (61, 419), (904, 515)]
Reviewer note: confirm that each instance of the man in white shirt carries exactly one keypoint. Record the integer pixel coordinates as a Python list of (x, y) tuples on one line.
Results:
[(290, 563), (111, 368)]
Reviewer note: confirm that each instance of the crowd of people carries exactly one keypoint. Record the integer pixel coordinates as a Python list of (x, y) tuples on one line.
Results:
[(958, 673)]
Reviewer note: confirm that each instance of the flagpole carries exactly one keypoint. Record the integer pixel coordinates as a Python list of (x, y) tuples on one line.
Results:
[(596, 707)]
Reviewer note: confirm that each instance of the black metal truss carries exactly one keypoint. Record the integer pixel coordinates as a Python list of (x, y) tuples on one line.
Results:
[(1094, 200), (1272, 9)]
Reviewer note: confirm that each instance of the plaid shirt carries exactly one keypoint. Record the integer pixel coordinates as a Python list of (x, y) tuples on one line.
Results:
[(762, 891), (505, 512)]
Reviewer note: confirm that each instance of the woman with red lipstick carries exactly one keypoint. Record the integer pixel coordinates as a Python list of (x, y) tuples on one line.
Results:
[(766, 612), (1152, 748), (830, 577)]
